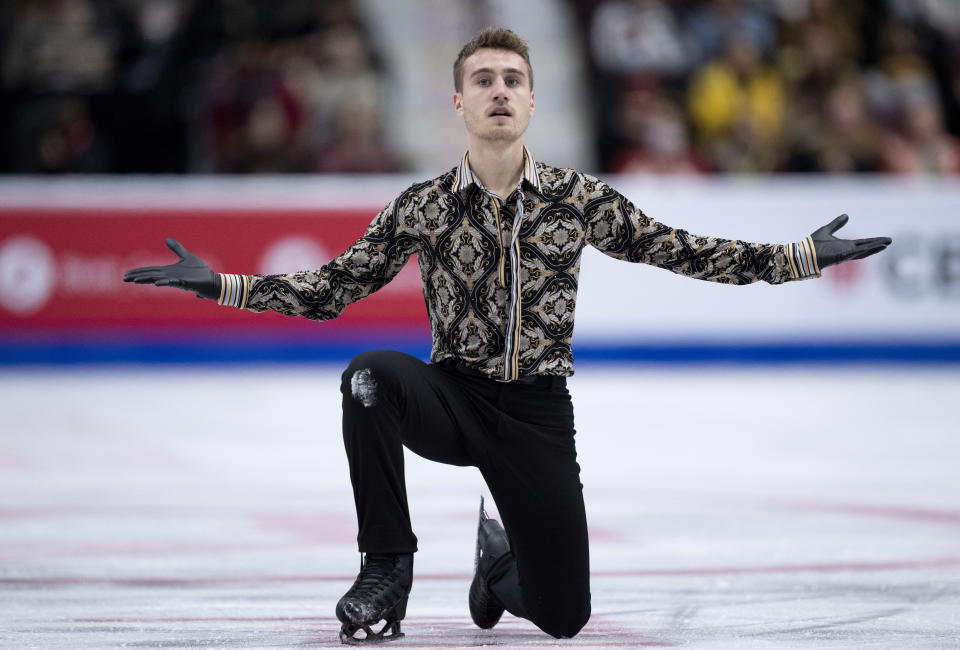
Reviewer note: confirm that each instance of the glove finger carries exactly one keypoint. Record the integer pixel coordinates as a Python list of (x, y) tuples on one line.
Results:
[(873, 241), (868, 252), (178, 248), (155, 270), (169, 282), (838, 223), (824, 232), (143, 277)]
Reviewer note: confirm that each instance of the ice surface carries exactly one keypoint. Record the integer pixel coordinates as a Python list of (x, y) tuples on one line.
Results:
[(729, 508)]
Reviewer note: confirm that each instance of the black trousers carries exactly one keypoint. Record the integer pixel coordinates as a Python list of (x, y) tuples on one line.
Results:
[(520, 437)]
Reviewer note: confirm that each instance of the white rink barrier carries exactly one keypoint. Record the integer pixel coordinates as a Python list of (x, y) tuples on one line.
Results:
[(911, 291), (907, 295)]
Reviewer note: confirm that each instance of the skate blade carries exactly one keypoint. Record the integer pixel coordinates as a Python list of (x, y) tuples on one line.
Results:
[(389, 632), (483, 520)]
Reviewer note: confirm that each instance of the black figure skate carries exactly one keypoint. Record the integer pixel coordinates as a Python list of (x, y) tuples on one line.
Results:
[(379, 593), (492, 544)]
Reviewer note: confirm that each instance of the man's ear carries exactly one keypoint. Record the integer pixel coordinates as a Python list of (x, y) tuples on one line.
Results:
[(458, 103), (532, 103)]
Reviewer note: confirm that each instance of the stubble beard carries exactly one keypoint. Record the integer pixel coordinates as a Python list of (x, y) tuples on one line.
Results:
[(500, 135), (494, 133)]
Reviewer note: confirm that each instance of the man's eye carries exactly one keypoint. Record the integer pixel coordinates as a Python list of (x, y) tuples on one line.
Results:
[(483, 82), (513, 83)]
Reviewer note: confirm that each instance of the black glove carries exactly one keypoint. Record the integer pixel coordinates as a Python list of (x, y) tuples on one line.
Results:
[(190, 274), (831, 250)]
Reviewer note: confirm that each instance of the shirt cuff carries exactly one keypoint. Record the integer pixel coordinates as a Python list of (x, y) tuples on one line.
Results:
[(234, 290), (802, 258)]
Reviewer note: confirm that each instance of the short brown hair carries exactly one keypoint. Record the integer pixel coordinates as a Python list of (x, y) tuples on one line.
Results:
[(494, 38)]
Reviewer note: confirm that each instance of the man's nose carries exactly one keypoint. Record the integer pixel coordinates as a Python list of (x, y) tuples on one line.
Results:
[(499, 89)]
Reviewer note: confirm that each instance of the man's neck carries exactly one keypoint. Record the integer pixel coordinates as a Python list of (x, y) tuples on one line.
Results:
[(499, 166)]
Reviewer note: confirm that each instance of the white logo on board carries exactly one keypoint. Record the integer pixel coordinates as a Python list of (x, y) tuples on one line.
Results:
[(27, 274), (292, 254)]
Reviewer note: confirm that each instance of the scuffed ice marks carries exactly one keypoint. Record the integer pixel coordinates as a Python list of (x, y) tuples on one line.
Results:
[(364, 387)]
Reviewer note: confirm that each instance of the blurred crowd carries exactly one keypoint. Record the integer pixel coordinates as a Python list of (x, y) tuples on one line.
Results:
[(296, 86), (178, 86), (741, 86)]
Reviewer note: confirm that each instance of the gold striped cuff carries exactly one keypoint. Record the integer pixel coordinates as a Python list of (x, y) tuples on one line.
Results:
[(234, 290), (803, 259)]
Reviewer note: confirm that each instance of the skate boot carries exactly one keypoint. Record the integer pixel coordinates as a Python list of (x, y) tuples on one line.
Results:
[(379, 593), (492, 544)]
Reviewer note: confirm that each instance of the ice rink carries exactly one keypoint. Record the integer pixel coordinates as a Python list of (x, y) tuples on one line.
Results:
[(728, 508)]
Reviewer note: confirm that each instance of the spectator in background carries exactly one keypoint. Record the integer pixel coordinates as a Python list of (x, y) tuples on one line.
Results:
[(816, 51), (57, 136), (60, 46), (60, 61), (255, 120), (653, 133), (937, 15), (309, 103), (857, 86), (921, 145), (711, 26), (904, 93), (902, 71), (239, 86), (628, 37), (79, 79), (737, 103), (640, 51), (345, 81), (842, 137), (828, 128), (936, 25), (357, 146)]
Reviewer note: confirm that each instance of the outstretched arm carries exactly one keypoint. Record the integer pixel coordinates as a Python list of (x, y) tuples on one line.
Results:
[(619, 229), (830, 250), (319, 294), (190, 274)]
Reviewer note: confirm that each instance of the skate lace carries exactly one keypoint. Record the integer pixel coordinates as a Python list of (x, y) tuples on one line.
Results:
[(379, 579)]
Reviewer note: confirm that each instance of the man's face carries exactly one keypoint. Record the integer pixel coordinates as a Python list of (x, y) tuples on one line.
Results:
[(496, 102)]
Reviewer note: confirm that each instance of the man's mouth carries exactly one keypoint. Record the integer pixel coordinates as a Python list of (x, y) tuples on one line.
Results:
[(500, 112)]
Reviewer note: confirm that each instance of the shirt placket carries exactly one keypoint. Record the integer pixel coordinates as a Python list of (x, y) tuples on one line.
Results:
[(511, 352), (513, 329)]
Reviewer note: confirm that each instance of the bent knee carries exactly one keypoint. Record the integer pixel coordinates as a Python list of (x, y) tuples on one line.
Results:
[(565, 626), (368, 374), (371, 359)]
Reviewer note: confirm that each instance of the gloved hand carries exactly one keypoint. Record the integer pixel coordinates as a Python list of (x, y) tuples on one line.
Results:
[(831, 250), (190, 274)]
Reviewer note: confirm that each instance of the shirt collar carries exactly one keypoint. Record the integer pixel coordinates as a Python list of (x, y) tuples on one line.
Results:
[(464, 176)]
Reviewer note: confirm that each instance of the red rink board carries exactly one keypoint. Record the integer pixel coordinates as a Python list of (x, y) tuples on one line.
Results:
[(61, 268)]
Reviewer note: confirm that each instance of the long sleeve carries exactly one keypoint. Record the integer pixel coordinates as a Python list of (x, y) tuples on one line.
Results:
[(619, 229), (365, 267)]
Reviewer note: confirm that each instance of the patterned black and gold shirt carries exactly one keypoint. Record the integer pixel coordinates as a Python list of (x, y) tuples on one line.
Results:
[(500, 277)]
